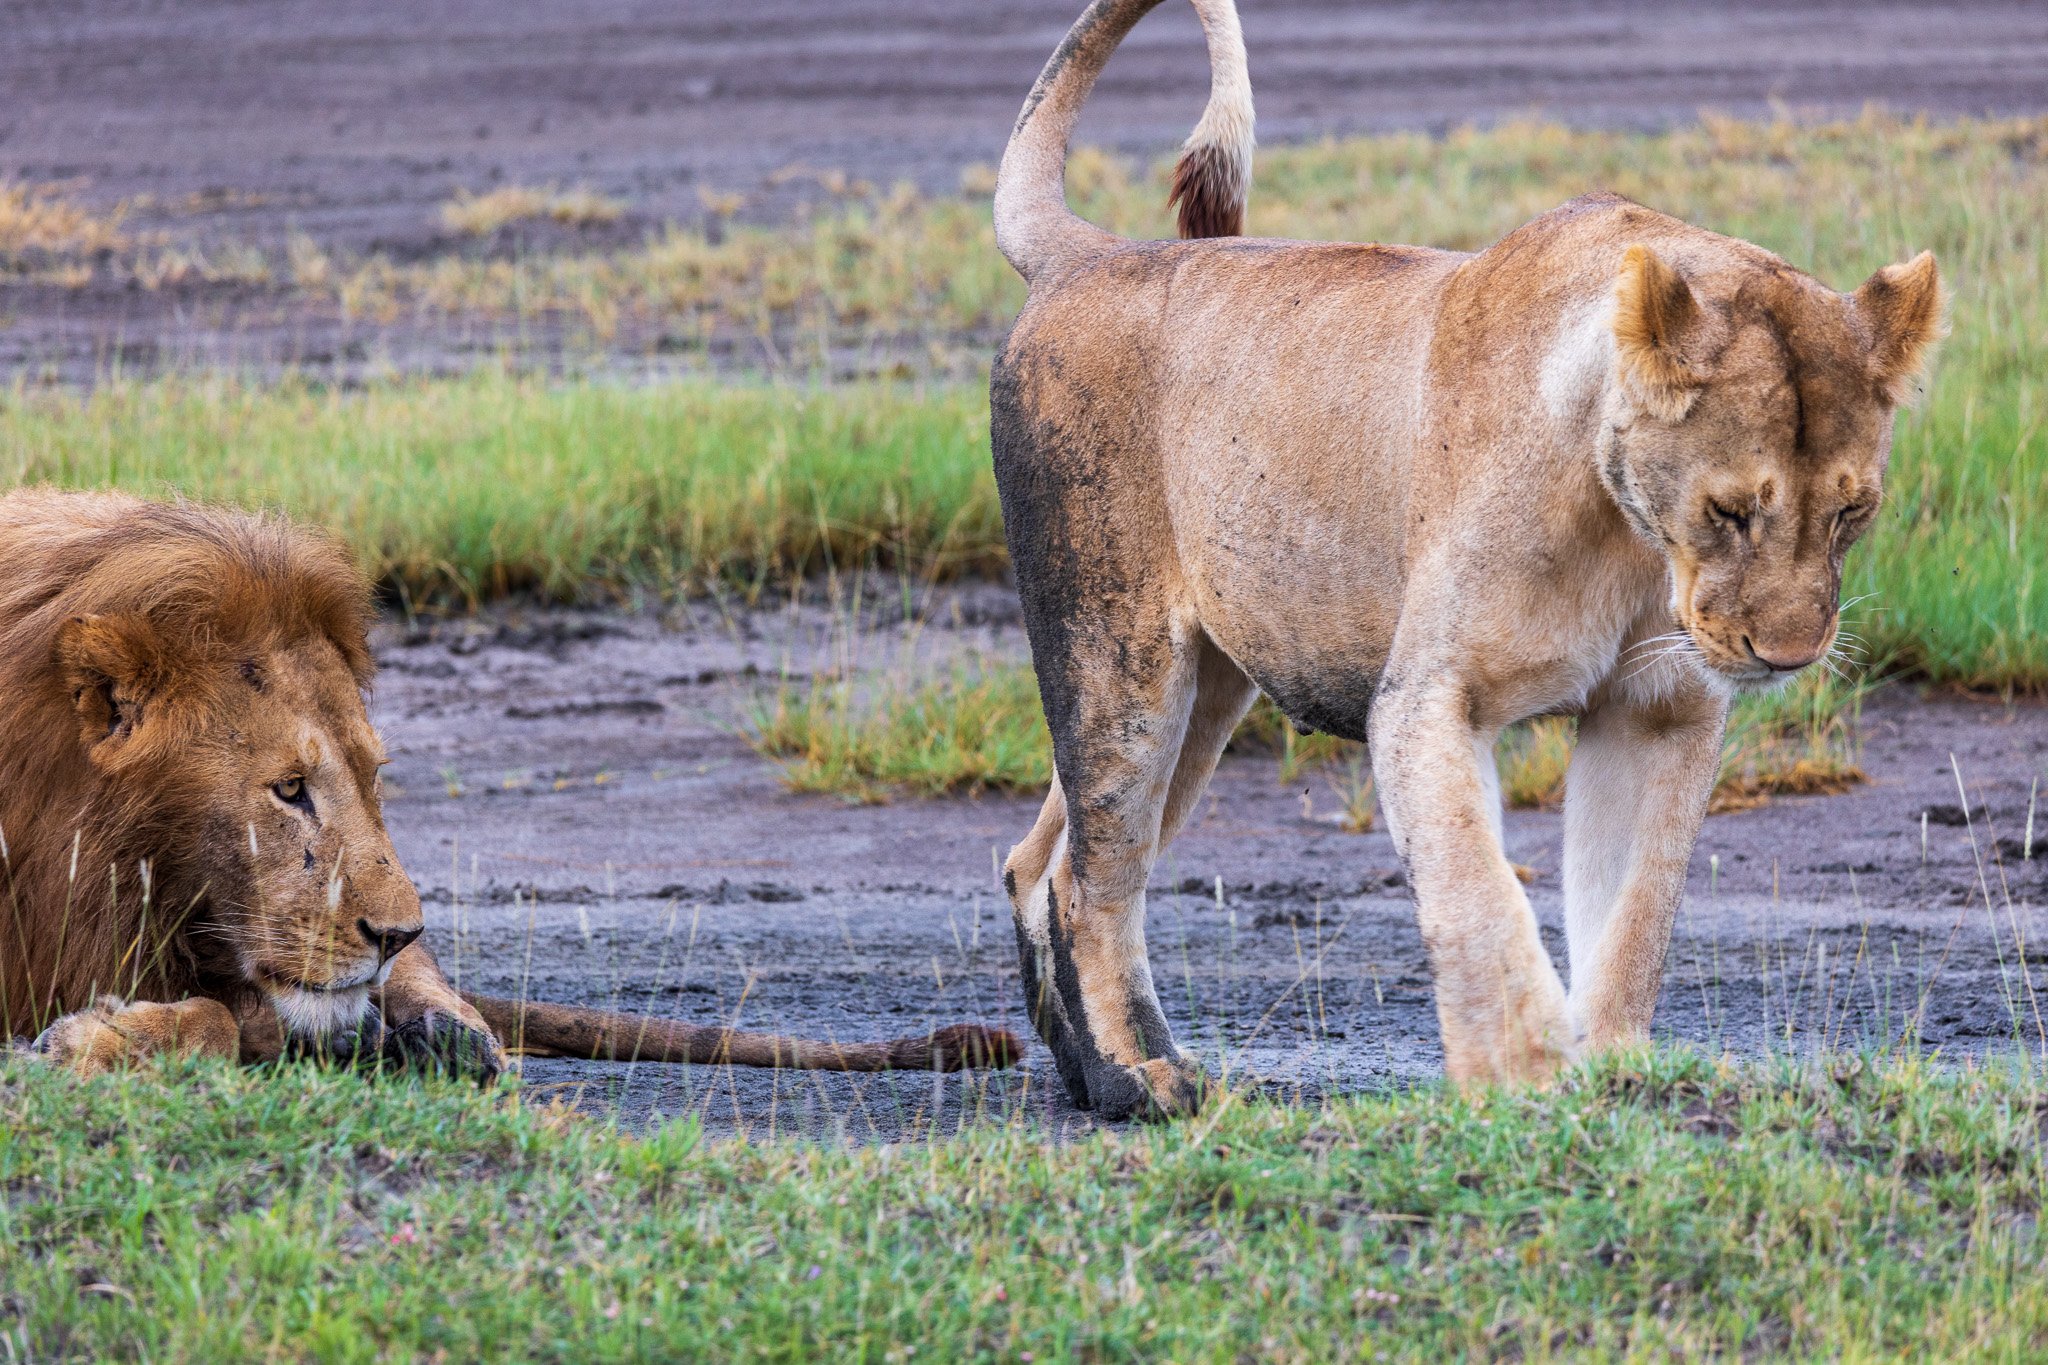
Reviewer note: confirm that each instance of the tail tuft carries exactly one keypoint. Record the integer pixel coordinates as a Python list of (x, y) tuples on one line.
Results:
[(1209, 187), (1034, 227)]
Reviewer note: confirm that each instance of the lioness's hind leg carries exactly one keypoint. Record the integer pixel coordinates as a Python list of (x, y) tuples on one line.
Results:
[(112, 1033), (1118, 745), (1222, 695), (1028, 878)]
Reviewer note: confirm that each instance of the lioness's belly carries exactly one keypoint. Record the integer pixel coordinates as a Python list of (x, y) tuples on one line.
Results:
[(1291, 390), (1290, 533)]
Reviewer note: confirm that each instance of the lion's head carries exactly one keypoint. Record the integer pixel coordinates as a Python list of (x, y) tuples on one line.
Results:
[(1749, 436), (190, 687)]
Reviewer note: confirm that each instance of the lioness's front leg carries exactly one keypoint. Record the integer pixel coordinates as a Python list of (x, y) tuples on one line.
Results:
[(112, 1032), (1499, 1002), (426, 1021), (1637, 790)]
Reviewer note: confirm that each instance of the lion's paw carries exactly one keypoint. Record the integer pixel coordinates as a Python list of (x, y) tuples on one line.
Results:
[(360, 1044), (89, 1041), (111, 1032), (443, 1042)]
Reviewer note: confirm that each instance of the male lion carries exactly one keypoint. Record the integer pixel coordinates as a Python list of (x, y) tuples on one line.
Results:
[(192, 848), (1607, 467)]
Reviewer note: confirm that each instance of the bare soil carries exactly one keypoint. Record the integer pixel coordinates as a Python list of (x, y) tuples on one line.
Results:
[(353, 122), (587, 825)]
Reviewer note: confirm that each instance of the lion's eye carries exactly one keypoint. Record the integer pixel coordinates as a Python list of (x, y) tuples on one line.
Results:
[(1735, 521), (292, 791)]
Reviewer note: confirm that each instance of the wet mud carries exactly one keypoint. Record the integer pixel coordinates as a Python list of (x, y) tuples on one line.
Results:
[(574, 796)]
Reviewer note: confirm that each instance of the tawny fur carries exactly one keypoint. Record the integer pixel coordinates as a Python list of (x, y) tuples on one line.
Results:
[(162, 666), (1608, 467), (1034, 228), (1655, 315), (1906, 313)]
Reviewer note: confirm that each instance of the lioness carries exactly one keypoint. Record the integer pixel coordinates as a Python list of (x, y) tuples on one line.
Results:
[(193, 857), (1607, 467)]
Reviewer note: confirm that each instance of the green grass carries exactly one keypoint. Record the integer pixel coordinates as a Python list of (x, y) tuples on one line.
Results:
[(978, 726), (1655, 1205), (478, 487)]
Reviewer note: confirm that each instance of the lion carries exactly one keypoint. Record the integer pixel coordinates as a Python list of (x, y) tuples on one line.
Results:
[(193, 857), (1607, 467)]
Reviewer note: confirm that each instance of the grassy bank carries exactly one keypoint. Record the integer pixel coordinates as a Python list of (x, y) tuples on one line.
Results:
[(1655, 1205), (462, 490), (472, 487)]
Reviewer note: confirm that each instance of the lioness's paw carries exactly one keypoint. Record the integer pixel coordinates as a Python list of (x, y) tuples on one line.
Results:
[(1154, 1091), (438, 1041)]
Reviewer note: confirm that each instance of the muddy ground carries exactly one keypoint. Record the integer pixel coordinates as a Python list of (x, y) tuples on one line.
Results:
[(227, 123), (586, 824)]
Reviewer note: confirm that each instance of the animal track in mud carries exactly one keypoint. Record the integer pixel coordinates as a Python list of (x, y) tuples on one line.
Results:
[(629, 706), (1373, 883), (725, 893)]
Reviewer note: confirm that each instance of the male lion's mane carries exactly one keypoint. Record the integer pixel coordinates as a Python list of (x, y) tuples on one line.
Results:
[(200, 592)]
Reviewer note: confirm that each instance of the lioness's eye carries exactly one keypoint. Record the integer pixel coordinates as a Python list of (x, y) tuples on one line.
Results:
[(292, 791), (1728, 516)]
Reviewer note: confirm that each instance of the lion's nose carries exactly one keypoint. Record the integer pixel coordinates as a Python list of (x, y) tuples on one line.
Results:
[(389, 943)]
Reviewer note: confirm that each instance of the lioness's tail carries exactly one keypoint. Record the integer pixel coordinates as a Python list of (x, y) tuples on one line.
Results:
[(1034, 226), (605, 1035)]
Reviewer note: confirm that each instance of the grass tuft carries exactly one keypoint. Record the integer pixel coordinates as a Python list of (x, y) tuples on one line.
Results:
[(1532, 758), (38, 223), (479, 215), (973, 729)]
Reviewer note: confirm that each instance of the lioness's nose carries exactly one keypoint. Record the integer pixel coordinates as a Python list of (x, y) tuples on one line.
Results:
[(389, 943), (1779, 659)]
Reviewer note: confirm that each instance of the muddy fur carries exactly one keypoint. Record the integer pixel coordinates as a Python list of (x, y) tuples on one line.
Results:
[(1608, 467)]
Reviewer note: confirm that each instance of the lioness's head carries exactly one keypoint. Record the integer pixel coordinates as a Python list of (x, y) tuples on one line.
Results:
[(1748, 437), (233, 722)]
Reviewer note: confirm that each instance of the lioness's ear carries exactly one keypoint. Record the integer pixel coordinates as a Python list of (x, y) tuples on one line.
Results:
[(113, 665), (1655, 317), (1904, 304)]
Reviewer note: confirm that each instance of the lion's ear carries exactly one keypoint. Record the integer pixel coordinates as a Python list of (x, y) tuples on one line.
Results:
[(113, 666), (1656, 319), (1904, 304)]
